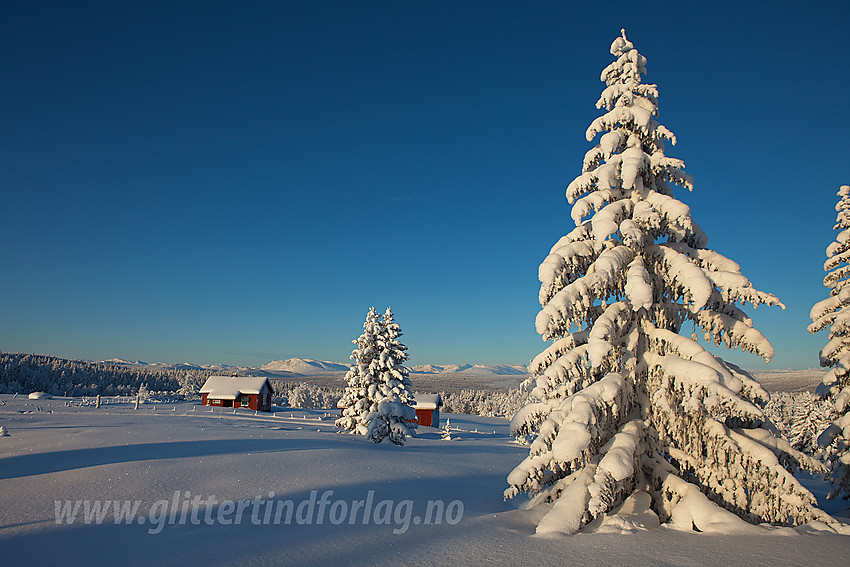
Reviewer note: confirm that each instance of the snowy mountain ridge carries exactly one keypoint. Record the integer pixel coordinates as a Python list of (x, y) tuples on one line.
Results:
[(497, 369), (304, 366), (771, 379), (309, 367)]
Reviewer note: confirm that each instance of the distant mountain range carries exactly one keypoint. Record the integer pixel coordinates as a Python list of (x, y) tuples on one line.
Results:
[(304, 366), (477, 369), (295, 367)]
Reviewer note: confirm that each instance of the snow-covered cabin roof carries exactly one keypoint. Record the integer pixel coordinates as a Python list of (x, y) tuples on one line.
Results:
[(229, 387), (427, 401)]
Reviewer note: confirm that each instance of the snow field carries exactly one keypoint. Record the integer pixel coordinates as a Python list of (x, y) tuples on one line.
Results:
[(116, 453)]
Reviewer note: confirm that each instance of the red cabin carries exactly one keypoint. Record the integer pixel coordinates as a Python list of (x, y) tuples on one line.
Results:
[(427, 408), (248, 392)]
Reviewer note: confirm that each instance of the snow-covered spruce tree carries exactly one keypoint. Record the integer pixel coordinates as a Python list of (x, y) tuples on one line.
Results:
[(391, 414), (361, 376), (626, 403), (376, 402), (809, 420), (189, 385), (447, 430), (834, 312)]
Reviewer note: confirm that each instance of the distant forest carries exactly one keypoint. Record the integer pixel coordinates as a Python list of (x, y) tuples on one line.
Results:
[(24, 373)]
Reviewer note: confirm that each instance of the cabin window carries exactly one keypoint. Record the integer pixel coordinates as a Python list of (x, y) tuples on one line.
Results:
[(246, 401)]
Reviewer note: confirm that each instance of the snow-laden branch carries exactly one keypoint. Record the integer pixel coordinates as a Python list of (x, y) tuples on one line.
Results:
[(569, 306), (572, 433), (682, 276), (557, 349), (562, 265), (602, 485)]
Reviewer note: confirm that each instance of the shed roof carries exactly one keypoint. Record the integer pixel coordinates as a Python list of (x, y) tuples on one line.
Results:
[(427, 401), (230, 387)]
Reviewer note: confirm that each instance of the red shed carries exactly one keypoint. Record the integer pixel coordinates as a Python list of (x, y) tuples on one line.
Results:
[(249, 392), (427, 408)]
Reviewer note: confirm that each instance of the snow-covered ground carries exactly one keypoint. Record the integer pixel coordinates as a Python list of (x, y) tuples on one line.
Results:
[(57, 452)]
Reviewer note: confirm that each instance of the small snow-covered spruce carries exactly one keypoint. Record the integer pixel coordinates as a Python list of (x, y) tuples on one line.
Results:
[(377, 401), (189, 385), (3, 431), (834, 312), (447, 430), (780, 411), (142, 395), (811, 417), (391, 414), (361, 377), (626, 403)]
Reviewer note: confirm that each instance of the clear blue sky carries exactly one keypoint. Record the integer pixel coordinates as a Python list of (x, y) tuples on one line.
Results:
[(239, 181)]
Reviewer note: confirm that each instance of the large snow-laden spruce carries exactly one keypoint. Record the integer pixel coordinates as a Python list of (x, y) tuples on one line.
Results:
[(834, 312), (377, 401), (625, 403)]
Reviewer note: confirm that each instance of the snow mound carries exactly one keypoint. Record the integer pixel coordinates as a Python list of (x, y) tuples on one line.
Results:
[(39, 396)]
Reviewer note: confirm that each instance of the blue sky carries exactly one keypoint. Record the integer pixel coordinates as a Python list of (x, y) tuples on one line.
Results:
[(239, 181)]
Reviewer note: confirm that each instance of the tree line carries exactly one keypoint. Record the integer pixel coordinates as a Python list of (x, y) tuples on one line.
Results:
[(22, 373)]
